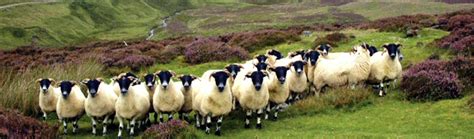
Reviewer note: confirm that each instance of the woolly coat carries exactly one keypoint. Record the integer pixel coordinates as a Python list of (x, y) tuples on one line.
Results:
[(383, 68), (103, 103), (210, 101), (49, 100), (170, 99), (134, 104), (72, 106), (249, 98)]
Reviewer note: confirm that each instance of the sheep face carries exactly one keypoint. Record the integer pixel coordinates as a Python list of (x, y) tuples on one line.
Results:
[(233, 69), (392, 49), (92, 85), (150, 80), (312, 56), (257, 78), (220, 78), (280, 72), (45, 84), (324, 48), (275, 53), (372, 50), (261, 58), (124, 83), (165, 78), (186, 80), (66, 87), (298, 66), (261, 66)]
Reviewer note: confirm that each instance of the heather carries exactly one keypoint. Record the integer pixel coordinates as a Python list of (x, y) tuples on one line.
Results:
[(332, 39), (434, 80), (206, 50), (15, 125), (170, 129)]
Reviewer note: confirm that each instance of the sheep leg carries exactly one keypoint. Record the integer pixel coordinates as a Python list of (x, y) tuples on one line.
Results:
[(218, 127), (105, 123), (186, 117), (65, 126), (275, 115), (197, 118), (94, 126), (247, 118), (381, 92), (267, 111), (180, 115), (45, 116), (170, 116), (161, 117), (132, 126), (208, 124), (259, 118), (75, 126), (156, 117), (120, 127)]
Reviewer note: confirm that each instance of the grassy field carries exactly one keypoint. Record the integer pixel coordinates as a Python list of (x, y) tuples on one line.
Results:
[(385, 117), (68, 23)]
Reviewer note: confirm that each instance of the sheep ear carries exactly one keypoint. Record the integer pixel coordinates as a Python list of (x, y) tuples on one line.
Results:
[(180, 76), (156, 73), (248, 75), (99, 79), (228, 73), (193, 77), (385, 45), (271, 69), (265, 73), (172, 73), (240, 66), (38, 80), (398, 44), (85, 81), (74, 83), (304, 62), (289, 64)]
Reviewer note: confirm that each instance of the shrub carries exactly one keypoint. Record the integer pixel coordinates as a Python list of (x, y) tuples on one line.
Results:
[(170, 53), (20, 91), (464, 68), (400, 23), (331, 39), (170, 129), (430, 81), (15, 125), (205, 50), (470, 102)]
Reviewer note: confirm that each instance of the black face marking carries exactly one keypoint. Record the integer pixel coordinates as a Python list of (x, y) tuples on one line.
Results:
[(220, 79), (261, 58), (44, 84), (275, 53), (312, 56), (233, 69), (324, 48), (298, 53), (280, 72), (93, 86), (392, 49), (372, 50), (257, 79), (66, 87), (186, 80), (261, 66), (124, 84), (150, 80), (129, 74), (298, 66), (165, 77)]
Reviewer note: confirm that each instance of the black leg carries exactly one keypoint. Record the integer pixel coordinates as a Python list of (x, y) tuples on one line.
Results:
[(247, 118), (259, 118), (219, 124)]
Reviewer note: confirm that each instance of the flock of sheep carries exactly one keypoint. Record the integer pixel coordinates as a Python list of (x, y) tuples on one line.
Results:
[(261, 85)]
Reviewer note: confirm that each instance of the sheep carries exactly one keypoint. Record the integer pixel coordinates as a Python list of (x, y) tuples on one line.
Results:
[(116, 86), (297, 80), (150, 82), (297, 55), (234, 69), (100, 102), (214, 99), (253, 95), (372, 50), (70, 106), (48, 96), (385, 66), (168, 98), (257, 59), (342, 71), (187, 87), (132, 104), (278, 89)]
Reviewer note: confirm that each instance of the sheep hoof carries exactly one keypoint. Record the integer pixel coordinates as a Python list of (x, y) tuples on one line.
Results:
[(119, 137), (218, 133), (274, 119), (247, 126), (259, 126)]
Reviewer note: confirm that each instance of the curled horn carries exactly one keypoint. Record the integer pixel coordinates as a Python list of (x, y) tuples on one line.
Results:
[(100, 79), (156, 73), (85, 81), (38, 80)]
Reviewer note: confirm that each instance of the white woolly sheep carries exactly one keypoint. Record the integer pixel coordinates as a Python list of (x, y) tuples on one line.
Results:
[(70, 106), (278, 89), (168, 98), (385, 66), (297, 80), (189, 84), (48, 96), (132, 104), (214, 98), (100, 102), (342, 71), (253, 95)]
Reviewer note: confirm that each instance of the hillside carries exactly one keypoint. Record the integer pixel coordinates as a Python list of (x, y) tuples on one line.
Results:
[(67, 23)]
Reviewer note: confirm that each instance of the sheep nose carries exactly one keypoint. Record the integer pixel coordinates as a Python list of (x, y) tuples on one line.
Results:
[(186, 84), (64, 94), (93, 91), (392, 54), (150, 85), (123, 90), (44, 87), (258, 86), (299, 71)]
